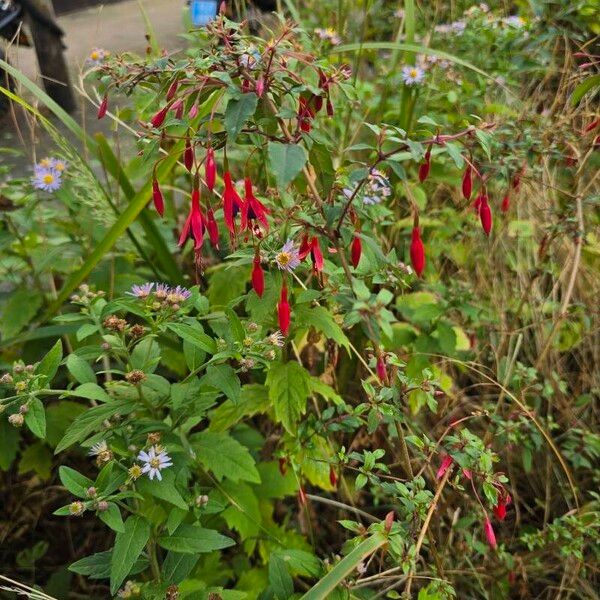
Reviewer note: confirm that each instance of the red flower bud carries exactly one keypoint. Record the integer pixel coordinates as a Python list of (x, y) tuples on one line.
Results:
[(467, 183), (259, 88), (389, 521), (318, 103), (157, 197), (172, 90), (591, 126), (304, 248), (505, 206), (382, 369), (258, 276), (417, 252), (329, 108), (302, 496), (504, 500), (444, 466), (489, 533), (159, 118), (425, 166), (213, 228), (178, 107), (332, 476), (188, 155), (356, 250), (210, 169), (193, 111), (284, 311), (485, 214), (103, 107)]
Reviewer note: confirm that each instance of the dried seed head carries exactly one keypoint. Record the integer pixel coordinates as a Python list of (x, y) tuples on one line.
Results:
[(135, 377), (113, 323), (16, 420)]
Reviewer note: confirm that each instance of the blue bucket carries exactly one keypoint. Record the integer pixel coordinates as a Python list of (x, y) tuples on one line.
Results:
[(203, 12)]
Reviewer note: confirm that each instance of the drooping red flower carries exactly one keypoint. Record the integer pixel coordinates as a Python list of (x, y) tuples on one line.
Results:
[(425, 166), (332, 476), (253, 209), (381, 369), (177, 107), (284, 311), (316, 254), (157, 197), (258, 275), (446, 463), (467, 183), (356, 250), (194, 224), (304, 248), (259, 87), (485, 215), (417, 252), (210, 169), (504, 500), (213, 228), (232, 203), (489, 533), (103, 107), (188, 155), (305, 115), (329, 107), (172, 90), (159, 118), (478, 201), (505, 206)]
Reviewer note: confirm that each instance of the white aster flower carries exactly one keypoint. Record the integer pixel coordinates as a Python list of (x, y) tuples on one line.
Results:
[(155, 460), (412, 75)]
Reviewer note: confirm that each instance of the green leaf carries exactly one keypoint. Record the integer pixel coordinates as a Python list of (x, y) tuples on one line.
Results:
[(129, 544), (9, 444), (164, 490), (192, 539), (238, 111), (112, 517), (89, 421), (38, 458), (224, 456), (20, 310), (289, 388), (176, 566), (322, 320), (80, 369), (97, 566), (343, 568), (225, 379), (254, 399), (35, 418), (91, 391), (50, 363), (194, 336), (287, 160), (584, 87), (243, 512), (59, 417), (75, 482), (281, 581)]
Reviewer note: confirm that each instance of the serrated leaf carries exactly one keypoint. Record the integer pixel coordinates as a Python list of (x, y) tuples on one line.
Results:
[(254, 399), (194, 336), (20, 310), (193, 539), (35, 418), (38, 458), (238, 111), (287, 160), (322, 320), (129, 544), (225, 379), (281, 581), (289, 389), (50, 363), (224, 456)]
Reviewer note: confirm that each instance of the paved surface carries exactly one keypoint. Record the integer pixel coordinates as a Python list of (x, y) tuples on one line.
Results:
[(114, 27)]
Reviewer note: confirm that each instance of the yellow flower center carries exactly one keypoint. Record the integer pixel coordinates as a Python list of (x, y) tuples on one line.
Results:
[(283, 258), (59, 165), (94, 55), (45, 162), (154, 463), (48, 178), (414, 72)]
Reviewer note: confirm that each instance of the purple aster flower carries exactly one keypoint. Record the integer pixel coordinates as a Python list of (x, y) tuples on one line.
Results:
[(181, 293), (288, 258), (162, 290), (47, 180), (412, 75), (155, 460), (141, 291)]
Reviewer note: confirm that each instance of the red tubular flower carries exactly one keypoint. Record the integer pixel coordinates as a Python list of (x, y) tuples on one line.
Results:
[(172, 90), (505, 203), (425, 166), (159, 118), (305, 115), (356, 250), (504, 500), (467, 183), (417, 251), (485, 215), (245, 86), (332, 476), (194, 224), (213, 228), (304, 248), (103, 107), (444, 466), (478, 202), (210, 169), (232, 203), (316, 254), (157, 197), (177, 107), (302, 496), (259, 88), (317, 102), (193, 111), (253, 208), (382, 369), (329, 107), (591, 126), (284, 311), (489, 533), (258, 276), (188, 155)]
